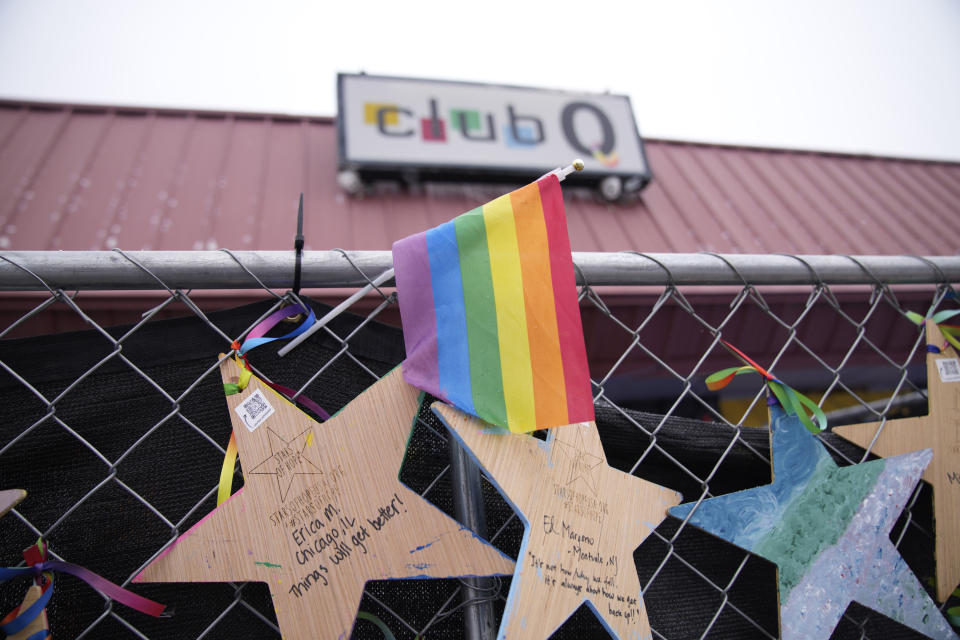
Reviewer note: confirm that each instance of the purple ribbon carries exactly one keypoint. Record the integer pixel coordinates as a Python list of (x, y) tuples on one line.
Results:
[(255, 337), (38, 564)]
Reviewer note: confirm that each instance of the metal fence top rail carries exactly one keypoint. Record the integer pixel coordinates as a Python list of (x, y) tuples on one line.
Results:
[(223, 269)]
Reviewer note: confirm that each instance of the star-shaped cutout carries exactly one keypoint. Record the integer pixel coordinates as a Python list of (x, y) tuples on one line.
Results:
[(827, 529), (288, 459), (939, 430), (579, 538), (352, 522)]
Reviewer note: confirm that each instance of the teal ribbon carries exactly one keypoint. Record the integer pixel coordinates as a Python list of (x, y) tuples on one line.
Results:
[(950, 332)]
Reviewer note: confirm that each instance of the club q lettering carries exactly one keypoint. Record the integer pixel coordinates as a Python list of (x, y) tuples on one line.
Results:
[(510, 125), (438, 129)]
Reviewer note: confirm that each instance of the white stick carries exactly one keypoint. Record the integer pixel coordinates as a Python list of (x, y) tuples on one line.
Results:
[(337, 310), (560, 172), (563, 172)]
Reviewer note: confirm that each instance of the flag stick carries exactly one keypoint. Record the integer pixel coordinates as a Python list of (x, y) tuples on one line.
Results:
[(563, 172), (560, 172)]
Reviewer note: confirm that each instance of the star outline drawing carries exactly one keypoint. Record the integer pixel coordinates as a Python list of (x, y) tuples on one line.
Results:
[(299, 457), (579, 469)]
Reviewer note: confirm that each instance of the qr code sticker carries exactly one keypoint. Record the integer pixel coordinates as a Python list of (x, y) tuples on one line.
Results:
[(949, 369), (254, 410)]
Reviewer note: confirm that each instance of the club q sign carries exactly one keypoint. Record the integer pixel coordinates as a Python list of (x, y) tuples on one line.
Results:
[(460, 129)]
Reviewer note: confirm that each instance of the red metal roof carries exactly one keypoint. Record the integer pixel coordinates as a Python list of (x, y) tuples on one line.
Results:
[(97, 178)]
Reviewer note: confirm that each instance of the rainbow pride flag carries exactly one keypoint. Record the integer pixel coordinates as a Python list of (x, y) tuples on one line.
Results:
[(490, 314)]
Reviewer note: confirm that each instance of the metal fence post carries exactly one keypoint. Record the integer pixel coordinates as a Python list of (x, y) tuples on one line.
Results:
[(478, 620)]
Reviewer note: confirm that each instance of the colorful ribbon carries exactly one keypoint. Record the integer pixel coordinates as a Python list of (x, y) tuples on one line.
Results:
[(41, 568), (256, 336), (791, 401), (226, 471), (289, 394), (15, 621), (254, 339), (950, 331)]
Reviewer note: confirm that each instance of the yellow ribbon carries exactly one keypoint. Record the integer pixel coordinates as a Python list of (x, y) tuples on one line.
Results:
[(230, 459)]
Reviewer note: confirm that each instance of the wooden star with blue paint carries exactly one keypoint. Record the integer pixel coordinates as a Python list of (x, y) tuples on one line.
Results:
[(939, 430), (582, 522), (341, 516), (827, 529)]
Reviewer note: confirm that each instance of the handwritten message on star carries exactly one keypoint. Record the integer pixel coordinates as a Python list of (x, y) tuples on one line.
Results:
[(584, 569), (583, 521), (323, 512), (330, 539)]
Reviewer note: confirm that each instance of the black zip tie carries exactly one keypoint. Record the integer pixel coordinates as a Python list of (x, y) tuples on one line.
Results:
[(298, 247)]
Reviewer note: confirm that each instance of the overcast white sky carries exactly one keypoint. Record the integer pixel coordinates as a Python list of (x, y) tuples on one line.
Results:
[(871, 76)]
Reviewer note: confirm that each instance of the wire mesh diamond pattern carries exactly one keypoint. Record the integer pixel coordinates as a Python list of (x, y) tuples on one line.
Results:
[(119, 432)]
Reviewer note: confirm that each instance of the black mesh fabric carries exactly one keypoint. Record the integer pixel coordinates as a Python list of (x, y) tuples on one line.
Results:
[(149, 446)]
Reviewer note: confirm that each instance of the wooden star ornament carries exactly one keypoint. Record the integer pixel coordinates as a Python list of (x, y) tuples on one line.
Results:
[(939, 430), (827, 528), (39, 624), (322, 511), (10, 498), (583, 521)]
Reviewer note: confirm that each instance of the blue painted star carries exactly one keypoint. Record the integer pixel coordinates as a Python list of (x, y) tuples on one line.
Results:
[(827, 528)]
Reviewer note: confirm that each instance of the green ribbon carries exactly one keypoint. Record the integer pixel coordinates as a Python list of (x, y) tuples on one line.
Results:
[(953, 613), (949, 331), (792, 401), (387, 634)]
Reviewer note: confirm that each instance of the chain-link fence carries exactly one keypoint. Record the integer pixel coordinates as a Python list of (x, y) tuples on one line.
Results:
[(118, 433)]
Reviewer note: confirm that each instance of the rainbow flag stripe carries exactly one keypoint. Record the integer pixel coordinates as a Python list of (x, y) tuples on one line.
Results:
[(490, 315)]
